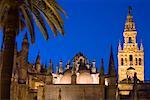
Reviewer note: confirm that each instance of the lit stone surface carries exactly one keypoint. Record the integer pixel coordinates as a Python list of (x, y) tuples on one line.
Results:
[(130, 55), (66, 79), (74, 92), (85, 78)]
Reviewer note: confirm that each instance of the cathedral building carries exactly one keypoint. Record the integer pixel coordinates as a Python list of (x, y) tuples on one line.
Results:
[(80, 79)]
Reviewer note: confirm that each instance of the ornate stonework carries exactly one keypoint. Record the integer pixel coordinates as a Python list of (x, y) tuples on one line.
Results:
[(131, 56)]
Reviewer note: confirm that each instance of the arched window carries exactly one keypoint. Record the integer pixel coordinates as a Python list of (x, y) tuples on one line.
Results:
[(130, 40), (122, 63), (140, 61)]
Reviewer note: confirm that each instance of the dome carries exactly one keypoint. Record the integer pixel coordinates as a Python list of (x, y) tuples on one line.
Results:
[(84, 78), (66, 79)]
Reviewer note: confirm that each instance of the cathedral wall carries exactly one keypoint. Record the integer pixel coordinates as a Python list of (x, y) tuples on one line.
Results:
[(143, 91), (111, 92), (19, 92), (74, 92)]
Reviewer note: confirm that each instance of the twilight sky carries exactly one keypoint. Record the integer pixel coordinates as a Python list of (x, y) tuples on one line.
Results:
[(91, 27)]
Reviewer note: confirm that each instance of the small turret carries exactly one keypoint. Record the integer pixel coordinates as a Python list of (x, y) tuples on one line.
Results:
[(68, 65), (49, 76), (141, 46), (93, 69), (60, 67), (50, 69), (119, 46), (38, 64), (74, 76), (101, 74)]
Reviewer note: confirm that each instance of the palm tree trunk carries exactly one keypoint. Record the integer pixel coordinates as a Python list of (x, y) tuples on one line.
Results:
[(10, 29)]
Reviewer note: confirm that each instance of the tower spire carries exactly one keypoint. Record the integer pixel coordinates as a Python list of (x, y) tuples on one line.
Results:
[(50, 69), (119, 46), (129, 10), (38, 64), (68, 65), (60, 67), (129, 25), (93, 69), (141, 46), (101, 72), (111, 67)]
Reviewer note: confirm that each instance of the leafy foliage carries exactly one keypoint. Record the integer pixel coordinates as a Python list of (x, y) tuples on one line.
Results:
[(35, 10)]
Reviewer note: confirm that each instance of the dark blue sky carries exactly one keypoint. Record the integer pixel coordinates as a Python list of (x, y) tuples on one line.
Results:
[(91, 27)]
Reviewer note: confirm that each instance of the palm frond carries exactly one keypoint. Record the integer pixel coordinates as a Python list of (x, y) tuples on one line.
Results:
[(28, 22), (59, 8), (55, 22), (54, 10), (21, 24), (52, 26), (50, 11), (40, 22), (40, 11)]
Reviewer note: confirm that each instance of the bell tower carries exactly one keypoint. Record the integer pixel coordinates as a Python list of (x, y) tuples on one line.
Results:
[(130, 56)]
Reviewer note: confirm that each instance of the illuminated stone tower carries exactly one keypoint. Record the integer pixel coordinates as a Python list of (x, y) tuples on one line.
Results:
[(131, 56)]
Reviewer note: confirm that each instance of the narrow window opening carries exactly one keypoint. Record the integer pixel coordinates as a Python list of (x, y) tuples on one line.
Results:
[(136, 61), (122, 63), (131, 59), (140, 61), (130, 40)]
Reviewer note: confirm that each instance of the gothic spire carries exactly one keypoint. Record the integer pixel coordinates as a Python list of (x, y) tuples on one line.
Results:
[(119, 46), (68, 65), (50, 69), (38, 64), (101, 72), (141, 46), (129, 25), (111, 67), (73, 68), (93, 69), (74, 76), (60, 67)]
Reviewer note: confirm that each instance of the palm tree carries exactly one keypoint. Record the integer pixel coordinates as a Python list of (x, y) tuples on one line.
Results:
[(15, 15)]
